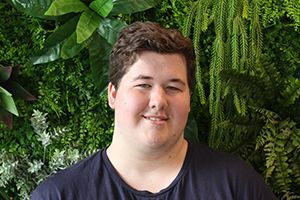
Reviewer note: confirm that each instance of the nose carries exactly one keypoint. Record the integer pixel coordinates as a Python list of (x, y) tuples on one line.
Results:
[(158, 99)]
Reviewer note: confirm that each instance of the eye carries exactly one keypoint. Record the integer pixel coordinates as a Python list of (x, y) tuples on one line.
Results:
[(173, 88), (144, 85)]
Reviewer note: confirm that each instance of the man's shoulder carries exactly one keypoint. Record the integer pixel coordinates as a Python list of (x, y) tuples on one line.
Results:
[(227, 173), (214, 164), (206, 154), (85, 166), (73, 177)]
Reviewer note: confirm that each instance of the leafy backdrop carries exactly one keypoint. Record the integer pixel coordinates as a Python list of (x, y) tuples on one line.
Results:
[(258, 110)]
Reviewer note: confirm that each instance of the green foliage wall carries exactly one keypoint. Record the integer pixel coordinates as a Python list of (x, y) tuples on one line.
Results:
[(64, 90), (67, 97), (254, 112)]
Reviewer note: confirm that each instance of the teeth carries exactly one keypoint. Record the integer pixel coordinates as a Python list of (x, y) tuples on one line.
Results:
[(154, 118)]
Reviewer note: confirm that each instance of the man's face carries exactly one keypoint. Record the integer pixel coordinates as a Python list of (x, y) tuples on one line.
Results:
[(152, 101)]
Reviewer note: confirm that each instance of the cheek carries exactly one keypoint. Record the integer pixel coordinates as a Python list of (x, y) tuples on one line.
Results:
[(133, 103), (183, 103), (182, 108)]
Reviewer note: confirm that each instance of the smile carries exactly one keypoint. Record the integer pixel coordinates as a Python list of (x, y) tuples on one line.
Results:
[(156, 118)]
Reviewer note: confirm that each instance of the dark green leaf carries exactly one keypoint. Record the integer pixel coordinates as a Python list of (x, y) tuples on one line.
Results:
[(17, 90), (61, 7), (88, 23), (62, 33), (6, 117), (191, 130), (110, 28), (7, 102), (47, 55), (99, 51), (5, 73), (54, 42), (71, 48), (132, 6), (102, 7), (32, 7)]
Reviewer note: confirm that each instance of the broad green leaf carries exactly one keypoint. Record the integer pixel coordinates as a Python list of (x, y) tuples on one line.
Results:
[(110, 28), (6, 117), (32, 7), (7, 102), (5, 73), (4, 91), (61, 7), (54, 42), (62, 33), (71, 48), (102, 7), (17, 90), (46, 55), (88, 23), (132, 6), (99, 51)]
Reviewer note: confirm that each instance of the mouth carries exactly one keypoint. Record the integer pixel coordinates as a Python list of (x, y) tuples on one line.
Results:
[(158, 118)]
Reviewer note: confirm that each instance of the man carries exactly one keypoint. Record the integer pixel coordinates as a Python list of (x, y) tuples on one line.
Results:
[(151, 78)]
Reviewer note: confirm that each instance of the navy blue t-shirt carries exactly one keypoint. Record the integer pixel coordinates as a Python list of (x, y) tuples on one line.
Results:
[(206, 174)]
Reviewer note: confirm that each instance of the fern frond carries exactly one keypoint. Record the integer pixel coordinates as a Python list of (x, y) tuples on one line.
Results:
[(244, 45), (205, 15), (292, 91), (276, 138), (293, 11), (235, 44), (189, 20), (220, 21), (212, 75), (272, 72), (205, 22), (267, 115), (215, 99), (245, 11), (256, 34), (232, 13), (244, 84), (196, 41), (243, 106)]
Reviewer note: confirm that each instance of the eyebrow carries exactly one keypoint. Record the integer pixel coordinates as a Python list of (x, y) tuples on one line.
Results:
[(142, 77), (173, 80)]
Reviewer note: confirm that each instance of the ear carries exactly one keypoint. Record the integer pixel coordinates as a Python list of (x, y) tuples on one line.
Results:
[(112, 94)]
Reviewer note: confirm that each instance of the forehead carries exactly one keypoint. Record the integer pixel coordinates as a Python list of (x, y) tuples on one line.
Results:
[(152, 64)]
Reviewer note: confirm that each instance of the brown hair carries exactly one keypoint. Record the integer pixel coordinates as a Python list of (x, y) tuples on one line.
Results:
[(148, 36)]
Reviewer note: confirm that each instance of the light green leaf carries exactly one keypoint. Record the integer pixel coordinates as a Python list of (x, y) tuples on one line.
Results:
[(71, 48), (102, 7), (88, 23), (110, 28), (46, 55), (132, 6), (61, 7), (7, 102), (32, 7)]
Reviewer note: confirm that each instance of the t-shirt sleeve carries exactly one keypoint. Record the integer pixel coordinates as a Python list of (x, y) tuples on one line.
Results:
[(249, 184), (45, 191), (229, 177)]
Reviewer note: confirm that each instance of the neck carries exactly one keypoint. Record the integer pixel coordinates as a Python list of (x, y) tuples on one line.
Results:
[(143, 169)]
